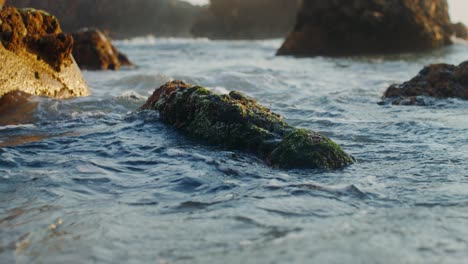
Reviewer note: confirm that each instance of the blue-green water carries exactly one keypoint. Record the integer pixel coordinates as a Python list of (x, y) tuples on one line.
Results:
[(95, 182)]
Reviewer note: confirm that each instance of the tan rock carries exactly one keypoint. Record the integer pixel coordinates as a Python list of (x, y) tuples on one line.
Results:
[(36, 56)]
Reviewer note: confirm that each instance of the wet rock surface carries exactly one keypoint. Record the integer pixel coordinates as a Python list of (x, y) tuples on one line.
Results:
[(437, 80), (235, 121), (93, 50), (37, 55), (343, 27), (246, 19)]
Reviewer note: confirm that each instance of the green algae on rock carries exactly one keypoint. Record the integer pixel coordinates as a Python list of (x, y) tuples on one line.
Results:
[(235, 121)]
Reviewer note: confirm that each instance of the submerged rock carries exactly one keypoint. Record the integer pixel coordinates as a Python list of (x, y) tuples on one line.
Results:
[(246, 19), (235, 121), (37, 56), (437, 80), (93, 50), (343, 27)]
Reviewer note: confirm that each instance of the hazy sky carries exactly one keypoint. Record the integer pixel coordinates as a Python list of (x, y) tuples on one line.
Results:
[(458, 9)]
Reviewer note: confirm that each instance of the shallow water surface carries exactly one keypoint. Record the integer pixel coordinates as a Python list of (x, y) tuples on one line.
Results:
[(92, 181)]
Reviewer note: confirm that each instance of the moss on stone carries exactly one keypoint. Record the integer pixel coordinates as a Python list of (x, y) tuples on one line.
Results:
[(236, 121), (306, 149)]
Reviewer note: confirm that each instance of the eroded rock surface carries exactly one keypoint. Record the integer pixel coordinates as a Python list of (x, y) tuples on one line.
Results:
[(93, 50), (437, 80), (359, 27), (37, 55), (235, 121)]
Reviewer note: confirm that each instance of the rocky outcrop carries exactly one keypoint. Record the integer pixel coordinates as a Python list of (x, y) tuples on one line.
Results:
[(460, 30), (93, 50), (437, 80), (37, 56), (235, 121), (246, 19), (359, 27), (123, 18)]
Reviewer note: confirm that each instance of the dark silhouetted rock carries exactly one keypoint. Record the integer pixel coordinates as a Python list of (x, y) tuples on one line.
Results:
[(37, 56), (123, 18), (343, 27), (246, 19), (93, 50), (437, 80), (235, 121), (460, 31)]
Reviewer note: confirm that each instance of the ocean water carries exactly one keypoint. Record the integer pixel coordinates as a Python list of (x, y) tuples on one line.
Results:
[(93, 181)]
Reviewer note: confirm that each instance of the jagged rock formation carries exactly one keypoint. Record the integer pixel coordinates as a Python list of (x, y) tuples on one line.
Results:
[(235, 121), (343, 27), (123, 18), (246, 19), (437, 80), (36, 55), (93, 50)]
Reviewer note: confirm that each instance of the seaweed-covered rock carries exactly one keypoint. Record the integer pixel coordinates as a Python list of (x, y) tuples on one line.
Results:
[(343, 27), (246, 19), (460, 30), (37, 56), (93, 50), (437, 80), (235, 121)]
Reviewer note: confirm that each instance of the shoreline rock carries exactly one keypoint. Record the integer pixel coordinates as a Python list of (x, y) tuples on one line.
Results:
[(237, 122), (37, 55), (93, 50), (362, 27), (436, 80)]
